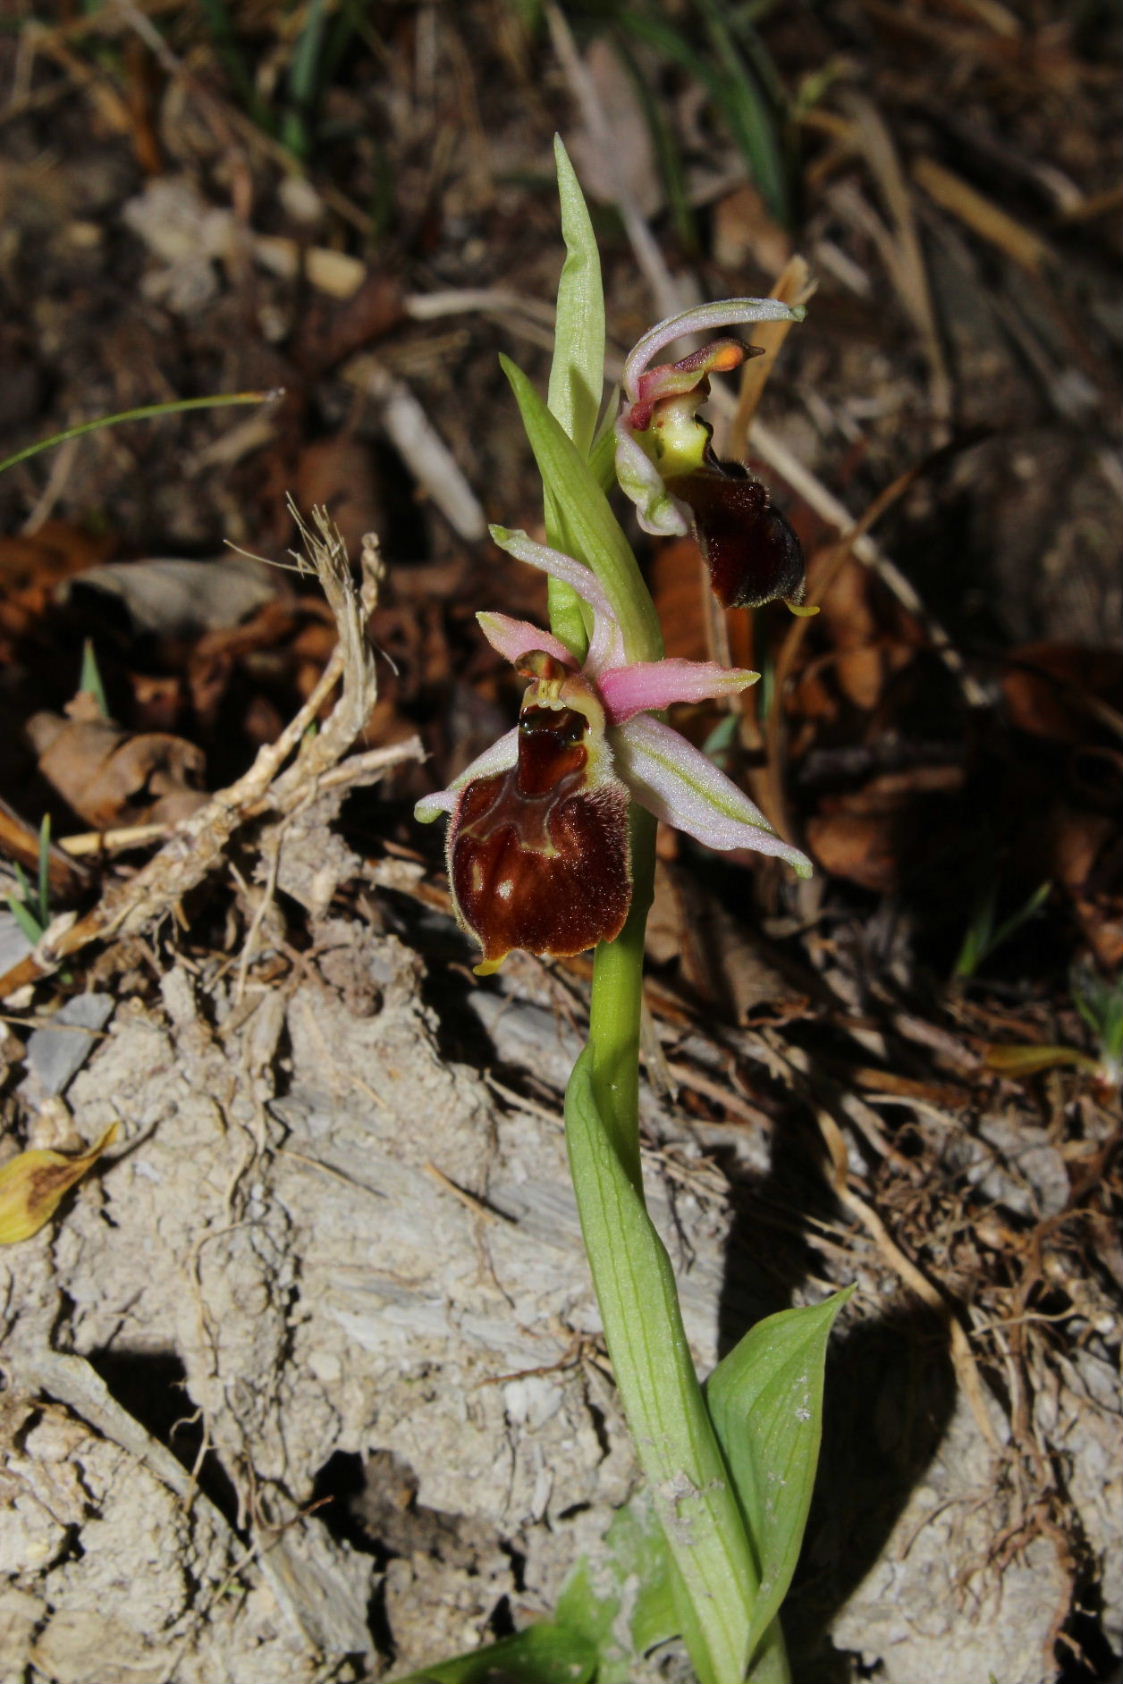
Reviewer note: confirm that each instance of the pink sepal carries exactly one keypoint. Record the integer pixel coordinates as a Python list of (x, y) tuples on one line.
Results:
[(675, 781)]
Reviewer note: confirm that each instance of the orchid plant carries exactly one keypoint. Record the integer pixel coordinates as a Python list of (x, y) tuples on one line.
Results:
[(550, 847)]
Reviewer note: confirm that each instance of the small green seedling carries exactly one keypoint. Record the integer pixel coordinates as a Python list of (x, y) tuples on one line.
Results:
[(31, 908)]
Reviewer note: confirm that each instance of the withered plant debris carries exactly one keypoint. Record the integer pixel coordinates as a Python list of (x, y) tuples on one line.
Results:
[(313, 1337)]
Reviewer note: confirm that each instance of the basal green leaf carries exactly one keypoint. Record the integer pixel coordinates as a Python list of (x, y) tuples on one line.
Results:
[(544, 1654), (766, 1403), (592, 532), (621, 1598)]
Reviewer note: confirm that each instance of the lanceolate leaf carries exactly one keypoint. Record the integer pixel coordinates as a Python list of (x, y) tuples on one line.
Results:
[(577, 374), (621, 1598), (766, 1403)]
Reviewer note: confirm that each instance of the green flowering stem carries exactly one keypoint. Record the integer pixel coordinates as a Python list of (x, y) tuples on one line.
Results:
[(716, 1577), (715, 1571), (617, 1004)]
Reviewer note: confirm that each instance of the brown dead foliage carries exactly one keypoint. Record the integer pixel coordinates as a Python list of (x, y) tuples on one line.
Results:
[(111, 778)]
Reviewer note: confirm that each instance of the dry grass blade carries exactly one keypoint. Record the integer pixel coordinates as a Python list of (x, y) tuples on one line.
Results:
[(420, 446), (821, 577), (962, 1357), (772, 450), (903, 253), (668, 294), (794, 287), (982, 216)]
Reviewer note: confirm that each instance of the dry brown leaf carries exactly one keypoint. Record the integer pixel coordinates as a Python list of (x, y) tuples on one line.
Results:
[(631, 162), (793, 287), (1059, 690), (33, 1183), (112, 778), (20, 841), (679, 599), (745, 231), (339, 474), (1088, 860), (858, 846), (867, 835), (865, 656), (31, 567)]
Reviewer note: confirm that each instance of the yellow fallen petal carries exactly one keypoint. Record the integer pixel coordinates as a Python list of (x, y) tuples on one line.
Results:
[(32, 1184)]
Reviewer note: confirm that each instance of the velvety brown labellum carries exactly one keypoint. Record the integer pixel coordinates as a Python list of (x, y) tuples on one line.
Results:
[(752, 553), (537, 859)]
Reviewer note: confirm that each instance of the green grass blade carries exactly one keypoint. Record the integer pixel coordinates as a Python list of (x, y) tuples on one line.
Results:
[(89, 678), (225, 40), (766, 1403), (147, 412), (752, 114), (25, 918), (44, 907), (303, 83), (667, 150)]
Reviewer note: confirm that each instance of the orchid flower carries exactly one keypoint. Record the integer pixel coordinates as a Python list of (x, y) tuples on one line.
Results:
[(538, 840), (665, 463)]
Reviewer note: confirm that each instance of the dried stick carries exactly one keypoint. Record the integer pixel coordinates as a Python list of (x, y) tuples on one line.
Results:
[(199, 844)]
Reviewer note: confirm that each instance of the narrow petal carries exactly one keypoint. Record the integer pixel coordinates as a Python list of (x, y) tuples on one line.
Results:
[(673, 780), (728, 312), (574, 573), (515, 638), (502, 755), (690, 375), (649, 685)]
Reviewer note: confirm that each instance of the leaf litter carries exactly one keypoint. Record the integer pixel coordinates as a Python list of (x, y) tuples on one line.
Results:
[(275, 1290)]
